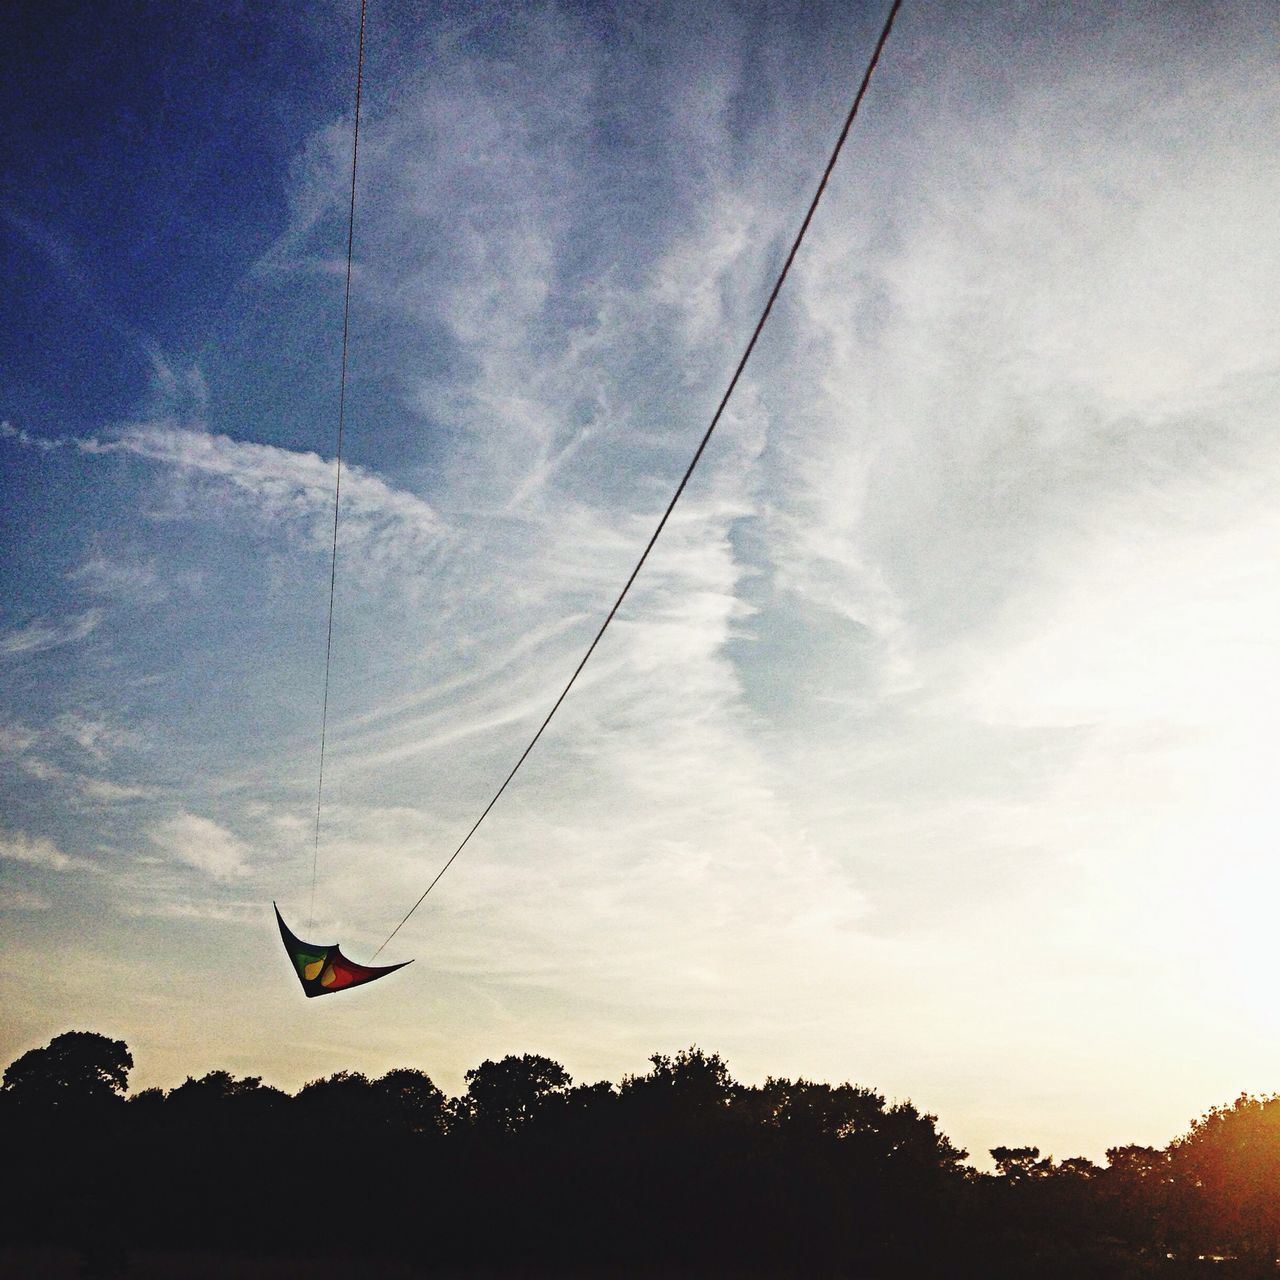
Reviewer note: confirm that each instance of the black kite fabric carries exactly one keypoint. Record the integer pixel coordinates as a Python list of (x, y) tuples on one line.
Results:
[(323, 968)]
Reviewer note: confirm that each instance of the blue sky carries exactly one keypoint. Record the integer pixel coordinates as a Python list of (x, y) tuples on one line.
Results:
[(932, 747)]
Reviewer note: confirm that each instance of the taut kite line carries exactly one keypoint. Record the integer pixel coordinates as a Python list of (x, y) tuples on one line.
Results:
[(680, 488), (332, 970)]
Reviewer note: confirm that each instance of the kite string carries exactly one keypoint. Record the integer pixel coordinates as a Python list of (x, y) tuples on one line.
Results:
[(337, 485), (724, 400)]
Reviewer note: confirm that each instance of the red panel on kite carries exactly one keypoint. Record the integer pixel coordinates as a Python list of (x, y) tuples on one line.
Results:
[(323, 968)]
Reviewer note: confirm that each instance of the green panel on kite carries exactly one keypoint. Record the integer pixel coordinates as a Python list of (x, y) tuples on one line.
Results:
[(324, 969)]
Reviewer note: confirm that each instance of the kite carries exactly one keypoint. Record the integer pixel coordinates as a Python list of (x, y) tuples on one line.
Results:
[(322, 969)]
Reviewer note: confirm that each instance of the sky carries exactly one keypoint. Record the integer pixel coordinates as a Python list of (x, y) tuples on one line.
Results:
[(934, 748)]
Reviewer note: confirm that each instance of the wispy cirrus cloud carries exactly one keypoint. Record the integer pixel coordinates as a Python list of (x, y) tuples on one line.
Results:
[(96, 736), (104, 791), (20, 435), (49, 633), (54, 754), (119, 579), (284, 486)]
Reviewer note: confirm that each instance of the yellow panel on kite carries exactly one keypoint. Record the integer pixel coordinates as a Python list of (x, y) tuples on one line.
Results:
[(322, 969)]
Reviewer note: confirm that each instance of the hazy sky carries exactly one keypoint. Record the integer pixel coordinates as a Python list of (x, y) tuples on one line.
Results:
[(935, 747)]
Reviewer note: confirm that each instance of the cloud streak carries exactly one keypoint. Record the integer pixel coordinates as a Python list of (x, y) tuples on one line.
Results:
[(20, 435), (49, 633), (285, 487)]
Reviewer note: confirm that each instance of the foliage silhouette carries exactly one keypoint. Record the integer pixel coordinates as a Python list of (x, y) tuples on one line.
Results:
[(679, 1170), (505, 1096), (75, 1069), (1225, 1182)]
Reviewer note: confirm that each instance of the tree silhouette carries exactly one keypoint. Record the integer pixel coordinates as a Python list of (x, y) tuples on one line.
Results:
[(218, 1091), (1019, 1163), (505, 1096), (407, 1100), (681, 1170), (697, 1080), (804, 1109), (345, 1093), (74, 1070), (1135, 1195), (690, 1090), (1226, 1181)]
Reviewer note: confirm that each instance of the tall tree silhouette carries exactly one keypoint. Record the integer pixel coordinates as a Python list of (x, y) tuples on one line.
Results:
[(505, 1096), (1226, 1181), (75, 1069)]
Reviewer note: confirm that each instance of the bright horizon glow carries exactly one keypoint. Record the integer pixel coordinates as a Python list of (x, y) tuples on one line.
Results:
[(933, 749)]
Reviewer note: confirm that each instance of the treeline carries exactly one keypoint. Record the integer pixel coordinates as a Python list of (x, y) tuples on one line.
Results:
[(680, 1170)]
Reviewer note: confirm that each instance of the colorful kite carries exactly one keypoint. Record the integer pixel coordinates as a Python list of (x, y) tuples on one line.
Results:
[(322, 969)]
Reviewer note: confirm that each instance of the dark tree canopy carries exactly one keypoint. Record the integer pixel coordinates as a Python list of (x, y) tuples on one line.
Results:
[(216, 1092), (1226, 1178), (681, 1093), (1016, 1162), (408, 1099), (804, 1109), (681, 1170), (692, 1079), (505, 1096), (74, 1069)]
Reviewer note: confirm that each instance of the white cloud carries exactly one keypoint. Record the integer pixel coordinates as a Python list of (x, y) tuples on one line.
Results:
[(41, 769), (200, 843), (174, 393), (29, 749), (102, 789), (49, 633), (380, 523), (132, 581), (238, 913), (96, 736), (35, 851), (23, 437)]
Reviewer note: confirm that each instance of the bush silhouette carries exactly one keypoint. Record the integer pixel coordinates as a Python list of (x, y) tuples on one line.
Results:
[(680, 1169)]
